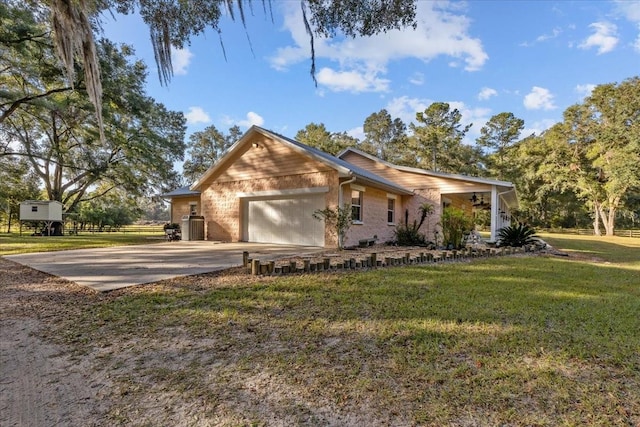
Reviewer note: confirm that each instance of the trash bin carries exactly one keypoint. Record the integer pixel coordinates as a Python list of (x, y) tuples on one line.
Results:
[(192, 227), (185, 228)]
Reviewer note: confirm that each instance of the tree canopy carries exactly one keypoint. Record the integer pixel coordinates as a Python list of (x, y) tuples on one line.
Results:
[(205, 148), (598, 143), (498, 134), (385, 137), (437, 141), (317, 136), (60, 137), (175, 22)]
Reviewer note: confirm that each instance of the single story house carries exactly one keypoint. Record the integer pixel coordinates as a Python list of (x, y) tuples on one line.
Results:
[(266, 188)]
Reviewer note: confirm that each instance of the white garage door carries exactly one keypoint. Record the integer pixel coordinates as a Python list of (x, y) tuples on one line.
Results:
[(285, 220)]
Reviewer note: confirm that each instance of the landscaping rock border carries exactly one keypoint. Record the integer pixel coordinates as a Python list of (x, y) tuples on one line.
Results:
[(379, 257)]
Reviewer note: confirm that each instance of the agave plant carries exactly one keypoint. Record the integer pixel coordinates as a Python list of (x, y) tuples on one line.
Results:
[(517, 236)]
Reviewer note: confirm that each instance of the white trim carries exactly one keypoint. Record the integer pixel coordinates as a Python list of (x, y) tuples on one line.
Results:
[(357, 187), (391, 197), (287, 192)]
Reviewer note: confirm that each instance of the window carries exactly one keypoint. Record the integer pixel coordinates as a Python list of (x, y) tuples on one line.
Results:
[(34, 209), (356, 205), (193, 208), (391, 210)]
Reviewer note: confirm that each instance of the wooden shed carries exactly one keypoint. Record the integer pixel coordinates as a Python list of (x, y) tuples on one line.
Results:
[(47, 211)]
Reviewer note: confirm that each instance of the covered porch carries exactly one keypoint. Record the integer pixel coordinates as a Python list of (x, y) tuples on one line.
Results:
[(499, 200)]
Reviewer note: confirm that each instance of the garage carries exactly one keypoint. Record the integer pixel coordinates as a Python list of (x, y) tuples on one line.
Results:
[(284, 219)]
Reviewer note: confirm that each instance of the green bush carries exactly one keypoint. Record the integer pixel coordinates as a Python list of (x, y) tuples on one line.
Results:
[(455, 223), (338, 220), (517, 236), (409, 234)]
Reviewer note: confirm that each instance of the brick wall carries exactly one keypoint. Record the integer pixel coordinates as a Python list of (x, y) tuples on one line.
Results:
[(412, 203), (374, 217), (222, 208), (180, 207)]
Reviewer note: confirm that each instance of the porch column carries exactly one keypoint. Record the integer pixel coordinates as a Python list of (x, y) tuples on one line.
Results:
[(494, 214)]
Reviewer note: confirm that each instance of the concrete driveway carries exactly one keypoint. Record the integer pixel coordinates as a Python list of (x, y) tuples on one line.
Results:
[(106, 269)]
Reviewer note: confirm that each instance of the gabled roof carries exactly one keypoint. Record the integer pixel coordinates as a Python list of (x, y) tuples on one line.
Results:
[(344, 168), (182, 191), (428, 172)]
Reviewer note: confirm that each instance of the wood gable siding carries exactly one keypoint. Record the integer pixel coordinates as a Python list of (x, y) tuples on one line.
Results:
[(414, 180), (270, 159)]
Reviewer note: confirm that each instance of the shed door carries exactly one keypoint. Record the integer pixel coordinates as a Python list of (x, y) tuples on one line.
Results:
[(285, 220)]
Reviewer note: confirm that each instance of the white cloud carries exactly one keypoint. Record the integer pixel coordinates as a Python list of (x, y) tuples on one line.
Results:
[(604, 37), (197, 115), (585, 90), (486, 93), (405, 108), (180, 60), (539, 99), (631, 11), (250, 120), (357, 132), (538, 127), (477, 117), (353, 81), (543, 37), (442, 31), (554, 33), (417, 79)]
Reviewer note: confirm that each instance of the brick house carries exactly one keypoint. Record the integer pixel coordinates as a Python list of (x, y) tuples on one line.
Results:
[(267, 186)]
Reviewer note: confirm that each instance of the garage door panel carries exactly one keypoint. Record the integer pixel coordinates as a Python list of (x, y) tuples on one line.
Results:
[(285, 220)]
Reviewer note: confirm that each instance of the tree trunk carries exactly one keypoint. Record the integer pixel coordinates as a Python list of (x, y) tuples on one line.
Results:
[(610, 224), (9, 215), (596, 220), (608, 218)]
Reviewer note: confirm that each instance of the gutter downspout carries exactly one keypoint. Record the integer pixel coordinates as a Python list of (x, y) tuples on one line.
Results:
[(340, 197)]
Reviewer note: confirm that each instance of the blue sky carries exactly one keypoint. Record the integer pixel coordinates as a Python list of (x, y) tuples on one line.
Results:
[(531, 58)]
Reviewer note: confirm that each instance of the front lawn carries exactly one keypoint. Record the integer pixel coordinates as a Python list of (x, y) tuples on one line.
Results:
[(13, 243), (540, 340)]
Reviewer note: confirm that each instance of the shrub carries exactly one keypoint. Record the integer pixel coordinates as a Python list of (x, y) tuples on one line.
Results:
[(455, 223), (172, 225), (339, 221), (409, 234), (517, 236)]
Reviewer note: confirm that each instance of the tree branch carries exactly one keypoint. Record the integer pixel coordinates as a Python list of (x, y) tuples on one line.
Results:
[(15, 104)]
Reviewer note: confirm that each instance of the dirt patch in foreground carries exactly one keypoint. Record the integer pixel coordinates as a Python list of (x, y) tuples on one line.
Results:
[(42, 385)]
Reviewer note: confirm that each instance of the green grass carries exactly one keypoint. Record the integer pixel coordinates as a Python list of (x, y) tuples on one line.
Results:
[(612, 249), (503, 341), (13, 243)]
